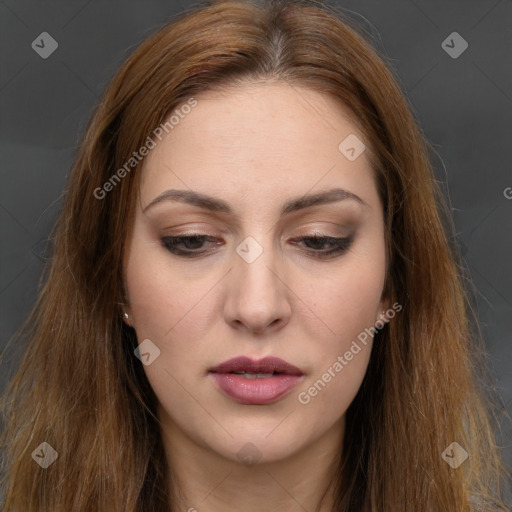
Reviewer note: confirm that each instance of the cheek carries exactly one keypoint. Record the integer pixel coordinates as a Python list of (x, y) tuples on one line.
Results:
[(172, 313), (346, 302), (170, 308), (342, 356), (348, 305), (160, 297)]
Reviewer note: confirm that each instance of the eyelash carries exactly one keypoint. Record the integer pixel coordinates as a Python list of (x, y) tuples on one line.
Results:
[(341, 245)]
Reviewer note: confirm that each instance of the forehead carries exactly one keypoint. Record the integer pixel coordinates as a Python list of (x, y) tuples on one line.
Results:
[(258, 141)]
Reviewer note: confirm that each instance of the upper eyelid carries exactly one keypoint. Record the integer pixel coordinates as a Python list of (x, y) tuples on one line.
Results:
[(317, 234), (309, 231), (230, 225)]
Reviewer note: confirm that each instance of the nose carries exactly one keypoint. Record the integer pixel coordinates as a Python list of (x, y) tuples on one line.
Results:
[(258, 298)]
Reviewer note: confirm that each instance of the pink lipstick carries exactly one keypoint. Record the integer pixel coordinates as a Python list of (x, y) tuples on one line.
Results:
[(256, 382)]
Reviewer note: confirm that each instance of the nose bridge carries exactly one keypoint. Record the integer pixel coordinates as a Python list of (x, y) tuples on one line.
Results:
[(258, 295), (255, 260)]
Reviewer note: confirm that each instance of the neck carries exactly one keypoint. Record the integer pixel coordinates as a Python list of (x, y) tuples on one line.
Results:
[(204, 481)]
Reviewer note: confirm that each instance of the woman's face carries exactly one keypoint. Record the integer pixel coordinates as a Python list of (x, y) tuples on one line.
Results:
[(254, 285)]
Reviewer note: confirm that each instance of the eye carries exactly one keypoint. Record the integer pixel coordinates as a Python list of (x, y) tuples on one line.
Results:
[(321, 246), (187, 245)]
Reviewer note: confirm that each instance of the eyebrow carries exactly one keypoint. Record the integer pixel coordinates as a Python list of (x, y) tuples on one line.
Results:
[(218, 205)]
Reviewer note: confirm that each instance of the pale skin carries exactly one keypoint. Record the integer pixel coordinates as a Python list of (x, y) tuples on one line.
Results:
[(255, 147)]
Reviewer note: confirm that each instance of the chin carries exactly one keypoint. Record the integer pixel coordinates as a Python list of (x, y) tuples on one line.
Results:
[(261, 443)]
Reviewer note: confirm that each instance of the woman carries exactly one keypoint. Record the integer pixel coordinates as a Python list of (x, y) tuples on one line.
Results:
[(252, 303)]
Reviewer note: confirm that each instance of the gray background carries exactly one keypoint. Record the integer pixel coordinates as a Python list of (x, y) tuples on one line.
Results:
[(464, 106)]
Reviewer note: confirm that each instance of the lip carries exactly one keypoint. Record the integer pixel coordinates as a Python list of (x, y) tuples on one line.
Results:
[(256, 391)]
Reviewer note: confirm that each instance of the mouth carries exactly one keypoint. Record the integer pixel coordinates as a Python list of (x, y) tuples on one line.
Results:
[(255, 382)]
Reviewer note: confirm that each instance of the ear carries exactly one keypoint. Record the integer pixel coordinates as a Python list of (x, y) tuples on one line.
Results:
[(126, 314), (384, 305), (126, 318), (126, 310)]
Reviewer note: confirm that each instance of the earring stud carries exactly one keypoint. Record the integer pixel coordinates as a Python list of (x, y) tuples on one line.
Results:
[(126, 316)]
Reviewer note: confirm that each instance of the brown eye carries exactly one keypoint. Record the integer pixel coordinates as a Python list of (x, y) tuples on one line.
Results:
[(187, 245), (326, 246)]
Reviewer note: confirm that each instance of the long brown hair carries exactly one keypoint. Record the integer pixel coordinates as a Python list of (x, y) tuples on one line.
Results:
[(79, 387)]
